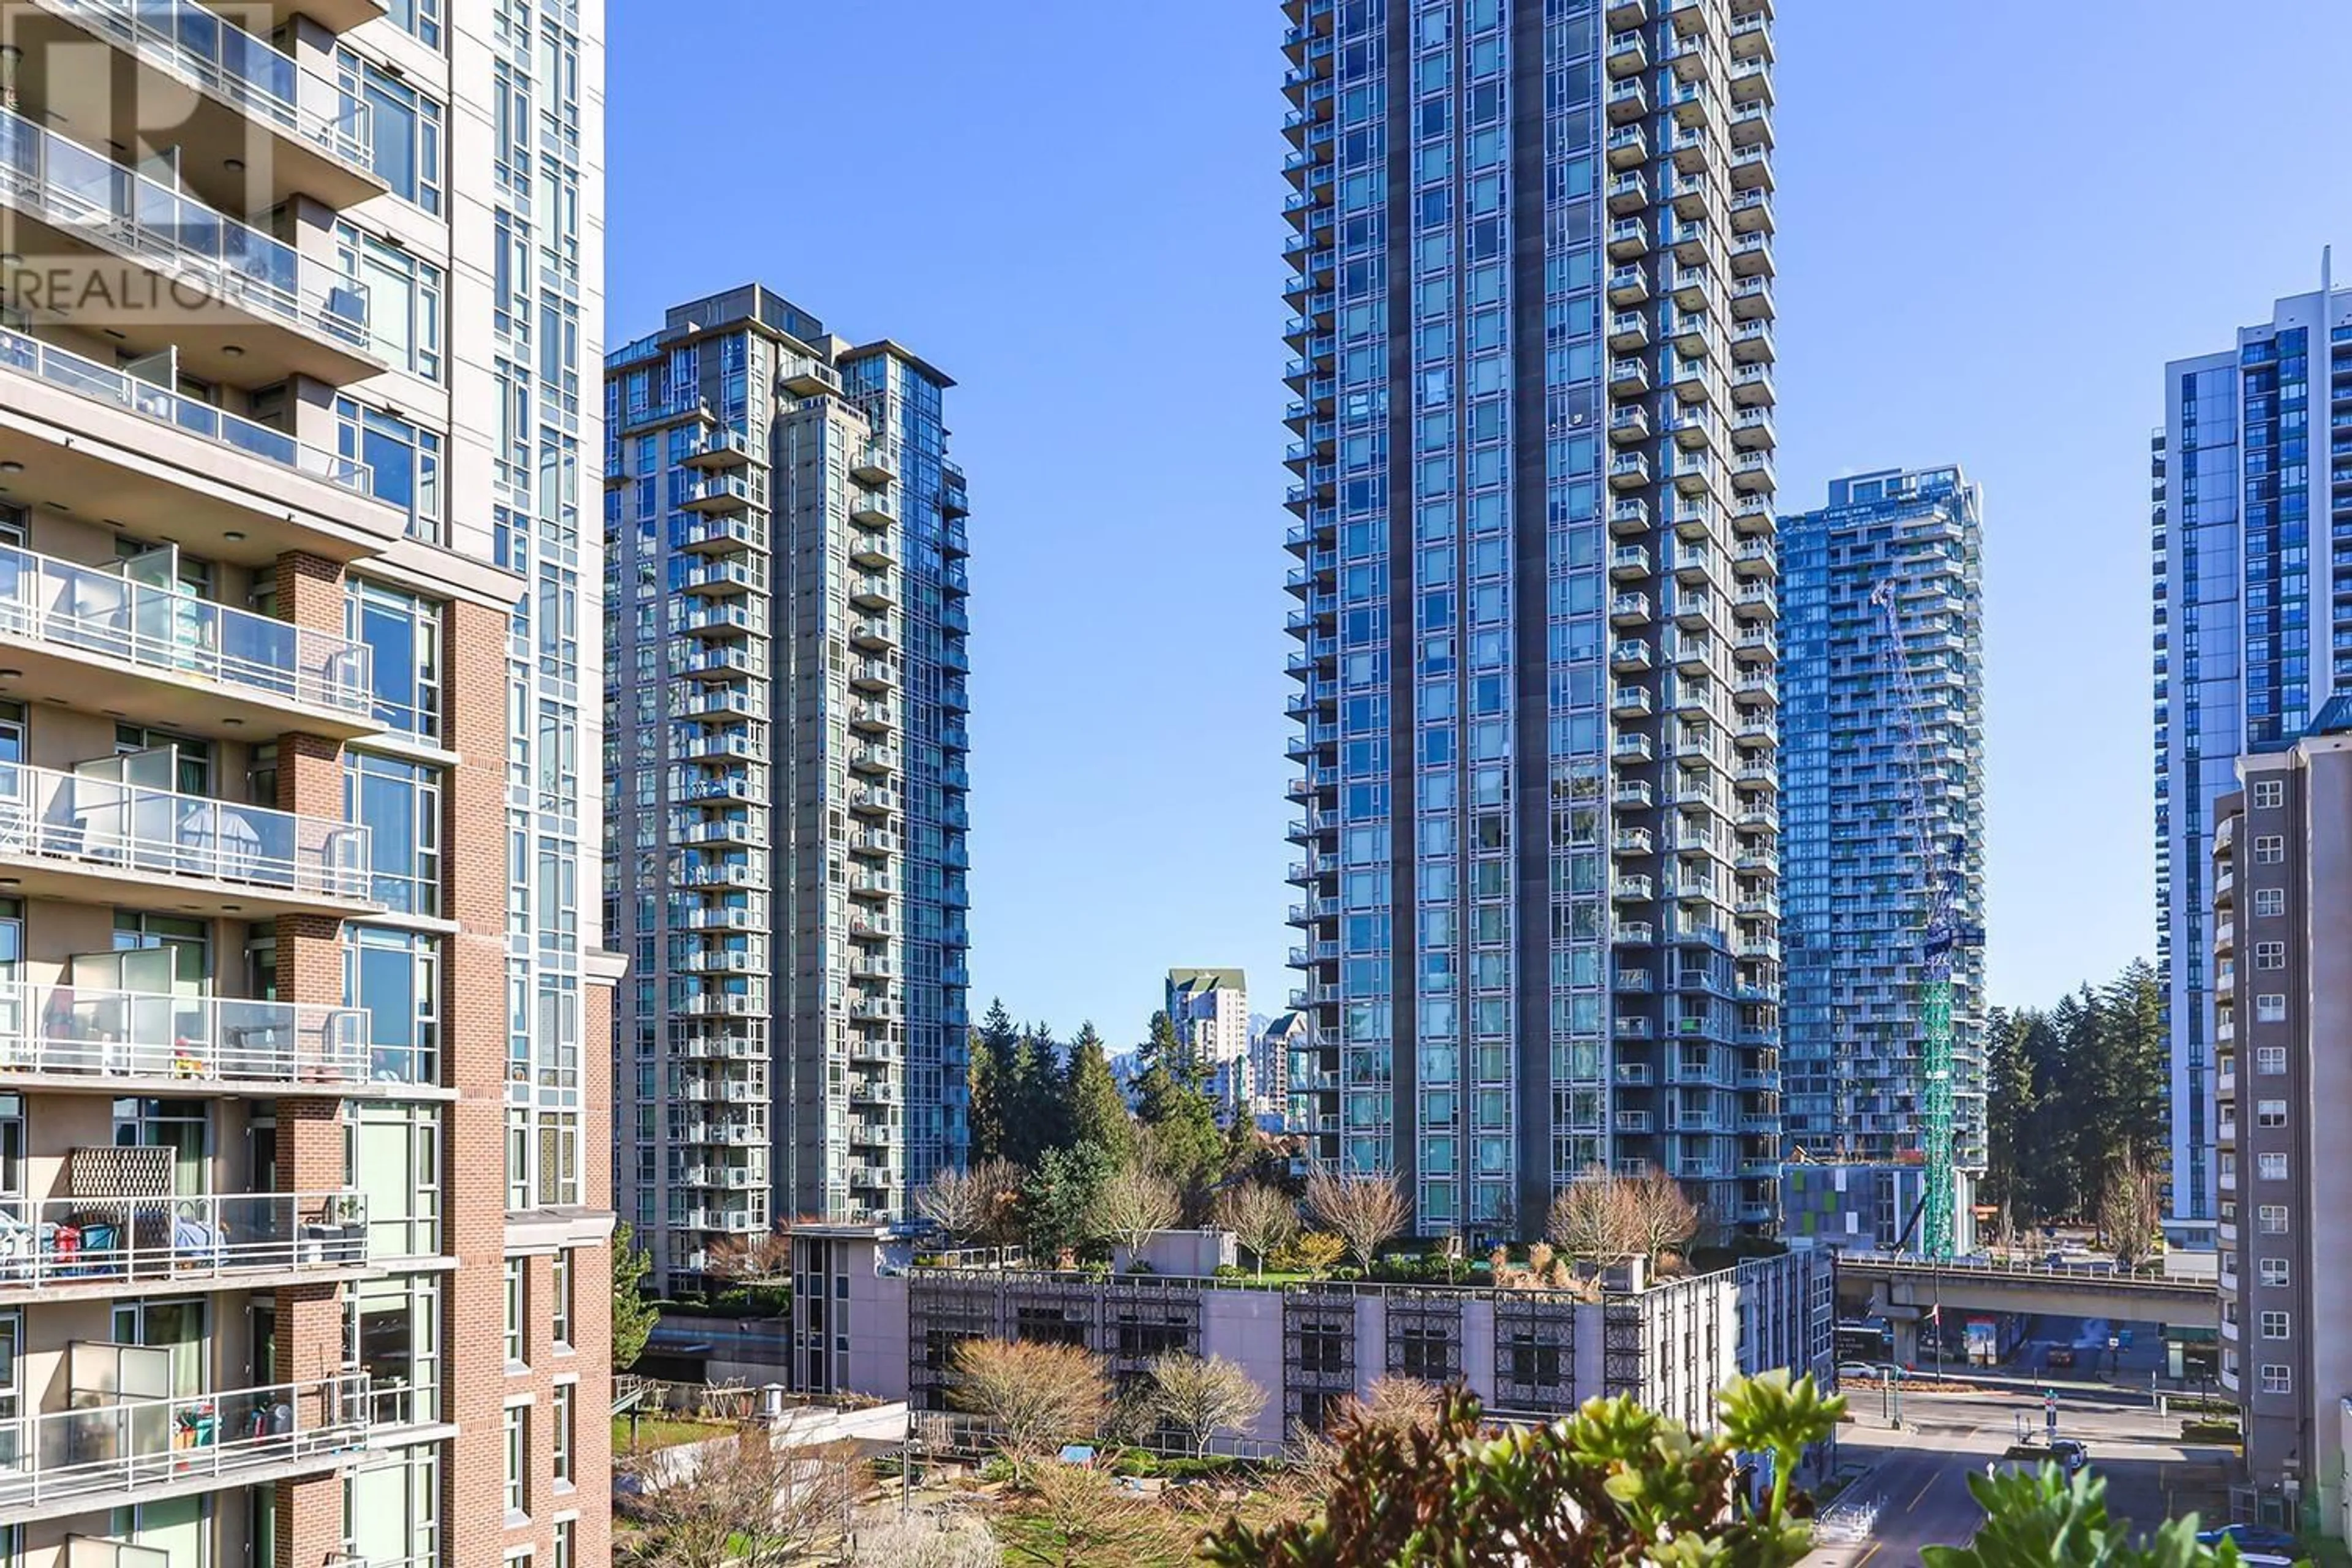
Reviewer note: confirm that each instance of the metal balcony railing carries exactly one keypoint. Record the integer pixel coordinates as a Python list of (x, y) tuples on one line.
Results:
[(147, 625), (116, 208), (191, 42), (70, 1030), (173, 1242), (47, 363), (104, 824), (117, 1449)]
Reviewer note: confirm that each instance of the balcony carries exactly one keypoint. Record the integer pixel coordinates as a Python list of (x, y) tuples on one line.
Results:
[(1628, 377), (1629, 191), (1630, 703), (1627, 54), (230, 285), (1629, 610), (95, 836), (1629, 100), (84, 1247), (1628, 147), (1629, 425), (126, 1444), (1628, 238), (873, 509), (83, 1038), (241, 83), (1628, 331), (1629, 471), (717, 494), (152, 653)]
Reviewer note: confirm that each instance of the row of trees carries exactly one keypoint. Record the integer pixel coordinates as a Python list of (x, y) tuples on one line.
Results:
[(1060, 1112), (2075, 1098)]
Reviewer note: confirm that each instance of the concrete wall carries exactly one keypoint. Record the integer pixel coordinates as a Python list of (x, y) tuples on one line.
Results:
[(2325, 1113)]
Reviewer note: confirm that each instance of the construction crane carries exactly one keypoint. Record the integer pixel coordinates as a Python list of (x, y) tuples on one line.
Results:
[(1941, 935)]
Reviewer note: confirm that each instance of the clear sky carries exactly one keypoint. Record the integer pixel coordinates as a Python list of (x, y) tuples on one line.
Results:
[(1997, 221)]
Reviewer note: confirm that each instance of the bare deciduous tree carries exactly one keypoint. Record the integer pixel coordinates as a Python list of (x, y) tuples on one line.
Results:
[(1664, 1216), (1075, 1515), (2131, 1212), (1133, 1203), (1261, 1218), (1038, 1396), (1402, 1404), (926, 1538), (1593, 1218), (765, 1260), (1200, 1394), (740, 1502), (1365, 1210), (971, 1205)]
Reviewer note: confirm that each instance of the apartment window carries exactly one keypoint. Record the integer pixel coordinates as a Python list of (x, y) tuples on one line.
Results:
[(403, 633), (2271, 1007), (558, 1278), (2270, 1061), (2277, 1378), (2269, 849), (2270, 1113), (518, 1425), (420, 19), (404, 462), (2269, 793), (559, 1439), (2270, 902), (559, 1157), (514, 1311), (2271, 1218), (404, 301), (2276, 1271), (396, 975), (2273, 1167), (2274, 1325), (395, 1159), (2270, 955), (405, 126), (400, 805)]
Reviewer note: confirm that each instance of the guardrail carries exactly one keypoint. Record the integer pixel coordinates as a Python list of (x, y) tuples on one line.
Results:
[(118, 1449), (176, 1241), (2085, 1272), (68, 1030)]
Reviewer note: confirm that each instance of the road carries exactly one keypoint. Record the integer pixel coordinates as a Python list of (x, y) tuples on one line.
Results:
[(1914, 1491)]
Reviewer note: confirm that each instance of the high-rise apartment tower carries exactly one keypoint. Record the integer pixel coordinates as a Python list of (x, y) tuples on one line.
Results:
[(2281, 901), (1533, 407), (304, 1250), (786, 704), (1855, 896), (2251, 523)]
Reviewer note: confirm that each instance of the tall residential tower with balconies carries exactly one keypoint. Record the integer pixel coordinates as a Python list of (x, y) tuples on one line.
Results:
[(1533, 405), (786, 773), (294, 616), (2251, 524), (1856, 899)]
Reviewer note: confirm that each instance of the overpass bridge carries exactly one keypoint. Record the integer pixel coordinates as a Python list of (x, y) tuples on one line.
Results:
[(1904, 1289)]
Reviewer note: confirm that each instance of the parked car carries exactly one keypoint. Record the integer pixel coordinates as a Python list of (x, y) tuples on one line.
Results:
[(2249, 1538), (1858, 1372), (2071, 1454)]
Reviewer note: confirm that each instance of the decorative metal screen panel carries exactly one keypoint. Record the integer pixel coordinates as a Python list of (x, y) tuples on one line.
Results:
[(1535, 1354), (1621, 1348), (1424, 1334), (1318, 1355)]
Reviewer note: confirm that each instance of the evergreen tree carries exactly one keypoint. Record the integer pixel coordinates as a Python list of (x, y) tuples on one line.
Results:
[(1057, 1198), (1098, 1113), (991, 1077), (1182, 1140)]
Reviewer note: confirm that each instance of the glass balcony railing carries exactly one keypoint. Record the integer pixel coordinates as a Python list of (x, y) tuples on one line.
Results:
[(114, 1449), (46, 361), (109, 825), (82, 1031), (203, 48), (212, 256), (147, 625), (54, 1242)]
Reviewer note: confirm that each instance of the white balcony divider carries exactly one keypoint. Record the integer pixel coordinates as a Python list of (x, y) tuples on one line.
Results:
[(115, 1447), (167, 628), (65, 1029), (172, 1241), (87, 819), (46, 361)]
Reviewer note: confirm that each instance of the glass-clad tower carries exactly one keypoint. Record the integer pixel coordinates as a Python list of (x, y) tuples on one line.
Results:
[(1855, 895), (787, 776), (2250, 525), (1533, 403)]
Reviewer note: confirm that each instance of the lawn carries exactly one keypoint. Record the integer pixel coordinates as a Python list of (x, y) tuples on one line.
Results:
[(664, 1432)]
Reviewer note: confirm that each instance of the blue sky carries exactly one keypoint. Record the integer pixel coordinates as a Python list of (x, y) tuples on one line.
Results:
[(1997, 222)]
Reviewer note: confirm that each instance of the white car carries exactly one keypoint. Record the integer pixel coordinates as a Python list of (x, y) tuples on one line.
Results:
[(1858, 1372)]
